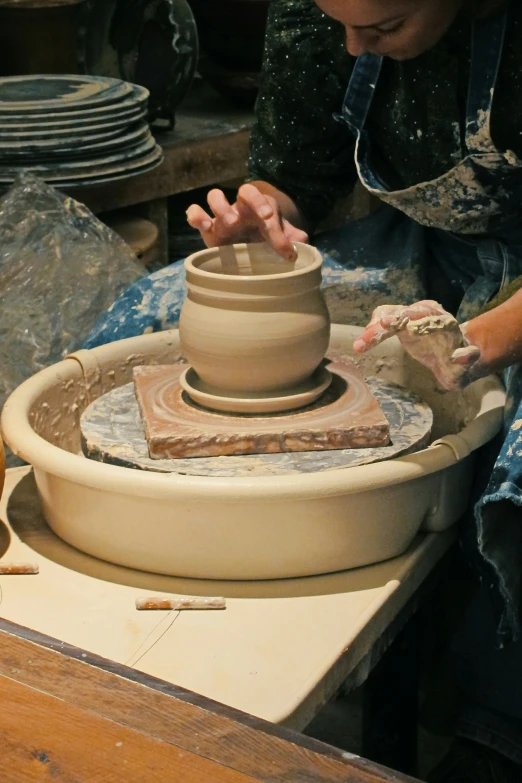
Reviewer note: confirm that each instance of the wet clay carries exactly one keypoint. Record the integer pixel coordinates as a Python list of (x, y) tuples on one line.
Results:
[(349, 417), (436, 340), (112, 432)]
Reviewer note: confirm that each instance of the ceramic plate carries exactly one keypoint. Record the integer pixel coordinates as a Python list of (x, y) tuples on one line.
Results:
[(137, 99), (52, 171), (98, 172), (39, 133), (56, 148), (82, 158), (102, 180), (39, 93), (76, 126)]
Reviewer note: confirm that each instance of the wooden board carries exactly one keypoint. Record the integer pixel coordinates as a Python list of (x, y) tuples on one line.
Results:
[(69, 716), (112, 432), (346, 416)]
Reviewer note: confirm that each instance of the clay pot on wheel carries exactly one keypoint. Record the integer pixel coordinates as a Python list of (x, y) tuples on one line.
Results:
[(253, 322)]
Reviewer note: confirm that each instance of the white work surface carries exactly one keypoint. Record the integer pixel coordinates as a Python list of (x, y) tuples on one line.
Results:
[(279, 651)]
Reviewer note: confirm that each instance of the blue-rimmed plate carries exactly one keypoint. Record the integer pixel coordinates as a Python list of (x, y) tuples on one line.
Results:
[(82, 165), (39, 130), (41, 93), (94, 171), (10, 150), (36, 133), (136, 100)]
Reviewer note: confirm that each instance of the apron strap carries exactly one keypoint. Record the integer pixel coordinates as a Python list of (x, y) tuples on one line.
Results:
[(486, 56), (360, 92)]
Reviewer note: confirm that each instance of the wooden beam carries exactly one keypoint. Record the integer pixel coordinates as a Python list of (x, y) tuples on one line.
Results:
[(44, 738), (152, 709)]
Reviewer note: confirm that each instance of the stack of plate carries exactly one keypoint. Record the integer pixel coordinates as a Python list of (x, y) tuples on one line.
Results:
[(74, 131)]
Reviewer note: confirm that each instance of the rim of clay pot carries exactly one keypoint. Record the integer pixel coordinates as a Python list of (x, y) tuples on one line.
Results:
[(203, 255)]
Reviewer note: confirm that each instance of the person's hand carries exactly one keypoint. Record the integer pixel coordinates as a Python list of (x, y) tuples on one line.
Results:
[(255, 217), (431, 336)]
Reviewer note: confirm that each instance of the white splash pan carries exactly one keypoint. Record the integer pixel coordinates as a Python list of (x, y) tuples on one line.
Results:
[(252, 527)]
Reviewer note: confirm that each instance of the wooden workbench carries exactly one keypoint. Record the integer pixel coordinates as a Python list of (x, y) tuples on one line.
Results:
[(279, 652), (69, 715)]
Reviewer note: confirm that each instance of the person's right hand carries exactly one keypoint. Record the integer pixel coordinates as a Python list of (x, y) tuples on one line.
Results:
[(255, 217), (429, 334)]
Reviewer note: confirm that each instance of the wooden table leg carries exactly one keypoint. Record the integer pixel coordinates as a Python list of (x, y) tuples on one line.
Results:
[(390, 703)]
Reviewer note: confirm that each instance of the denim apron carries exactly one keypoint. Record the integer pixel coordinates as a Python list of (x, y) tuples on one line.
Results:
[(473, 236), (464, 228)]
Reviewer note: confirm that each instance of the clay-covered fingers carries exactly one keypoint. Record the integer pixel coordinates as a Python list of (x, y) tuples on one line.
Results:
[(389, 320), (398, 318), (384, 323), (262, 210), (466, 357)]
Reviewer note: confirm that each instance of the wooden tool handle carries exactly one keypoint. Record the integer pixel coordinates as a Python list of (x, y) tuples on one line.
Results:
[(180, 604), (22, 569)]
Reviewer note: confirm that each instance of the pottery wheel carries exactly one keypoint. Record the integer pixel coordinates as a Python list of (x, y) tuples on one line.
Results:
[(112, 432)]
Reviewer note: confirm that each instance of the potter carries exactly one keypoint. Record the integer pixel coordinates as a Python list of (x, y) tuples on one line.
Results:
[(252, 322), (418, 101)]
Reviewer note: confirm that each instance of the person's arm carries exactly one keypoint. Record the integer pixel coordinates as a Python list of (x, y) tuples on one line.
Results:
[(301, 159), (456, 354), (296, 144), (498, 335)]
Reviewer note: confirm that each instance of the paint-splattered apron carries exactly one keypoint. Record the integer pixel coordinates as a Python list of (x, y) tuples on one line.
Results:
[(457, 239), (472, 218), (473, 231)]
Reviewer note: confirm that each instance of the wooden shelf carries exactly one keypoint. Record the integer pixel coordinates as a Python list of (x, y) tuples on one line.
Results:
[(209, 144)]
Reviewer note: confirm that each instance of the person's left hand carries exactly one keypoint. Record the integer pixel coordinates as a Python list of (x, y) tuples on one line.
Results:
[(430, 335)]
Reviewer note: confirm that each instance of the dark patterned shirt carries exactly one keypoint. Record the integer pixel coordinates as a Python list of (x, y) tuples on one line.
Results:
[(415, 122)]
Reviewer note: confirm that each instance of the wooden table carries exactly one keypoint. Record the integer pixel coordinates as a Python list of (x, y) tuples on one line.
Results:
[(68, 715), (279, 652)]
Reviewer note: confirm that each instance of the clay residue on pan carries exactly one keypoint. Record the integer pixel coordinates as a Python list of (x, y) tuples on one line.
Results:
[(115, 420), (346, 416)]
